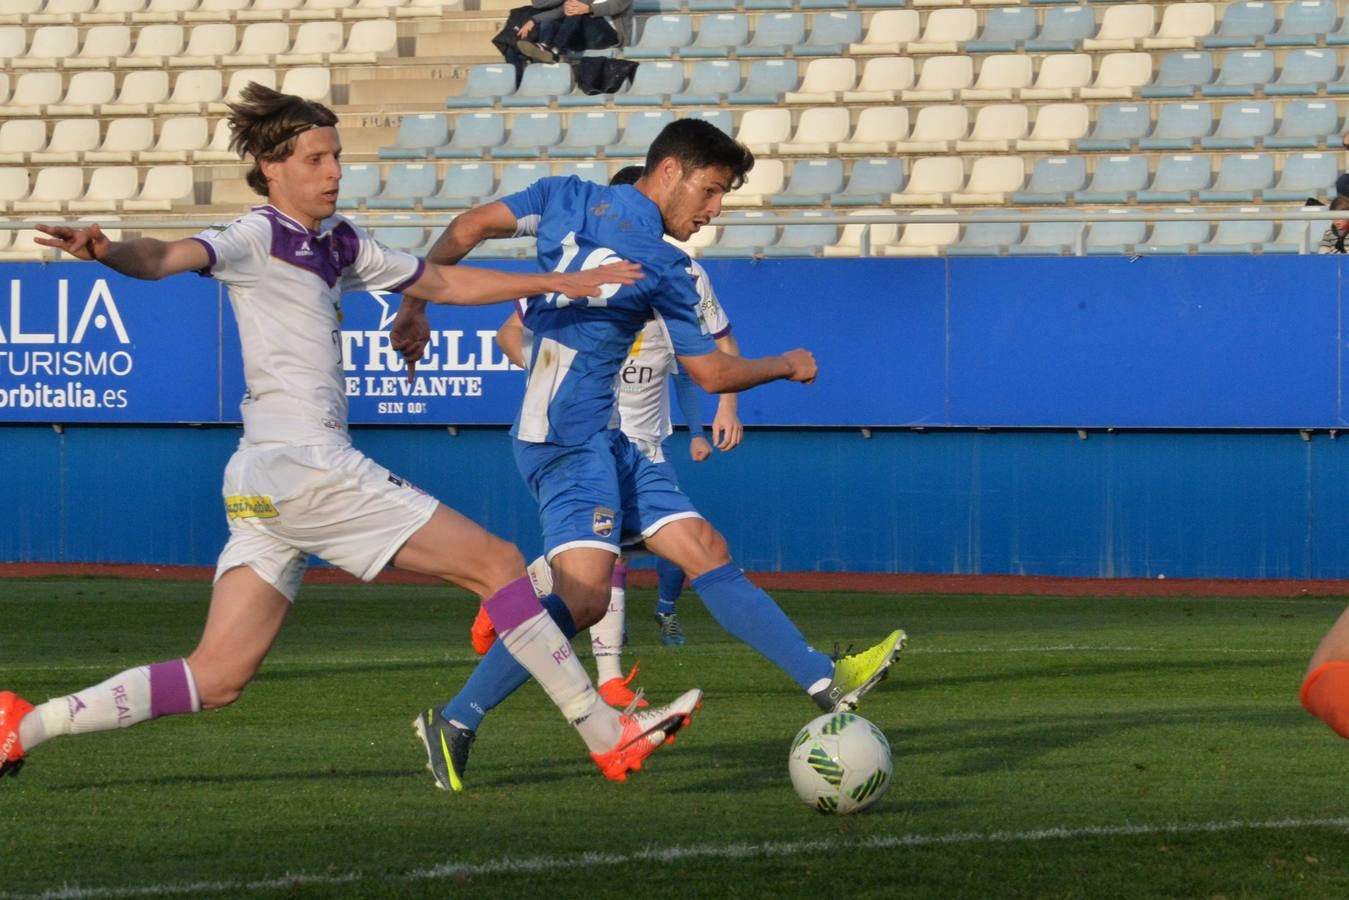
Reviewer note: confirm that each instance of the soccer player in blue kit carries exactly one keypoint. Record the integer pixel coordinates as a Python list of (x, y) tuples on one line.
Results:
[(594, 487)]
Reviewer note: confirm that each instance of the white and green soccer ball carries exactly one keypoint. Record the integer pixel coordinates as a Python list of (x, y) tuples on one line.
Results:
[(840, 763)]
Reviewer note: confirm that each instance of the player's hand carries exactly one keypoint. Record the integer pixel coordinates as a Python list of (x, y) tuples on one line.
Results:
[(409, 336), (589, 282), (699, 448), (82, 243), (802, 364), (727, 431)]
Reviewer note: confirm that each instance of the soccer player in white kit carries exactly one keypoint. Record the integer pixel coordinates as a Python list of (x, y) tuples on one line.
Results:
[(296, 486)]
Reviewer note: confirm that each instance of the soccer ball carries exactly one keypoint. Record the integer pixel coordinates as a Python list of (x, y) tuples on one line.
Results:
[(840, 763)]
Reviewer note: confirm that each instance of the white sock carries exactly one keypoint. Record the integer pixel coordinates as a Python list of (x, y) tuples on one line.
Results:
[(606, 638), (541, 577), (125, 699)]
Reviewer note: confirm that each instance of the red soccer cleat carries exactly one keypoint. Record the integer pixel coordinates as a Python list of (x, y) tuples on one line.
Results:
[(12, 710), (616, 692), (644, 733), (483, 633)]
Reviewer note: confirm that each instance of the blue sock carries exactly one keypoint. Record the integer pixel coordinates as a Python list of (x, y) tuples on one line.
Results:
[(670, 580), (498, 675), (753, 618)]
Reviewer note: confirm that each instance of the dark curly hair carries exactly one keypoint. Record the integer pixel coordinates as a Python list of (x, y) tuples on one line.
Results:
[(697, 144), (265, 124)]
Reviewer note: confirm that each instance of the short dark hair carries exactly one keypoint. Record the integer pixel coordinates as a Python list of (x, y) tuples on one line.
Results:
[(265, 124), (697, 144), (627, 175)]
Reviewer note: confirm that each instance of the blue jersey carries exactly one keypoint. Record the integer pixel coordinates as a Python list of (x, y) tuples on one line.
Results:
[(575, 348)]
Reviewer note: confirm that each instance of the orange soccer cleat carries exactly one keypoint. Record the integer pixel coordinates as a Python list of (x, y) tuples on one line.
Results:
[(12, 710), (483, 633), (616, 692), (644, 733)]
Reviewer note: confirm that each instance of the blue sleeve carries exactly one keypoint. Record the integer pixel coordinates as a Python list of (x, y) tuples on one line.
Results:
[(690, 401), (676, 300), (532, 200)]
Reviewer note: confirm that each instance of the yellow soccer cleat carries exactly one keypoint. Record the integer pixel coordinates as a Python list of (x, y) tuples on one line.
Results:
[(858, 673)]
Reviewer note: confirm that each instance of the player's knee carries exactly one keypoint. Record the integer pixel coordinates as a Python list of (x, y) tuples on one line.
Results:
[(710, 551), (501, 564)]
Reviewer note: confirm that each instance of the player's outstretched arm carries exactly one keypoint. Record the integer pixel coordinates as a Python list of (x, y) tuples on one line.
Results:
[(718, 372), (146, 258), (472, 286)]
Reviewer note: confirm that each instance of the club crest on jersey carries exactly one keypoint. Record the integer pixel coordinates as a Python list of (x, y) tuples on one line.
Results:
[(604, 521)]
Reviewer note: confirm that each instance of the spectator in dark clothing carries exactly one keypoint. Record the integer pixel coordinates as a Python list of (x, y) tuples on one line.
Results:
[(574, 26)]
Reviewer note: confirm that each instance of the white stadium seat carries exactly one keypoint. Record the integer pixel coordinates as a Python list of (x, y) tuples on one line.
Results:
[(882, 81), (50, 45), (124, 139), (877, 131), (109, 187), (70, 140), (179, 138), (763, 128), (86, 94), (165, 188), (53, 187), (819, 130), (20, 137), (102, 45), (932, 180)]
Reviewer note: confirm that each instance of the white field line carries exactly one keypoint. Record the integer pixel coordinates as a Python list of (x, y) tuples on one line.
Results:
[(573, 864)]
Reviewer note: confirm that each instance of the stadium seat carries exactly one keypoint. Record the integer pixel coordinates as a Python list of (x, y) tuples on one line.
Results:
[(309, 82), (986, 239), (860, 239), (825, 81), (418, 135), (215, 10), (1242, 178), (658, 6), (1123, 27), (639, 131), (877, 130), (1305, 124), (406, 237), (20, 137), (1123, 234), (1181, 74), (1005, 29), (59, 12), (1000, 77), (109, 188), (661, 37), (1243, 73), (996, 128), (53, 188), (588, 133), (871, 182), (1340, 36), (405, 186), (992, 180), (710, 82), (1303, 175), (1119, 126), (831, 34), (1183, 26), (1053, 179), (742, 240), (1064, 29), (239, 79), (218, 149), (888, 33), (259, 45), (718, 117), (1305, 22), (653, 85), (1180, 126), (766, 82), (1115, 179), (936, 129), (803, 238), (1304, 71), (1178, 179), (1058, 127), (1049, 238), (764, 180), (774, 35), (17, 12), (1120, 75), (312, 43), (1243, 24), (484, 86), (516, 177), (763, 129), (70, 140), (1296, 237), (883, 79), (321, 9), (49, 45), (718, 36), (154, 45), (13, 43), (932, 180), (14, 185), (124, 139), (532, 135), (462, 187), (206, 45), (113, 11), (1242, 126), (1243, 236), (941, 78), (474, 135), (812, 183), (383, 10), (32, 91), (179, 139), (194, 91), (594, 172), (101, 47), (542, 84), (1061, 76), (86, 94), (819, 131), (165, 11), (140, 93), (945, 31), (922, 235), (360, 181), (165, 188)]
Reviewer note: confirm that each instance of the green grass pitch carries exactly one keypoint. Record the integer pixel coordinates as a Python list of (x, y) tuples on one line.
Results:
[(1064, 747)]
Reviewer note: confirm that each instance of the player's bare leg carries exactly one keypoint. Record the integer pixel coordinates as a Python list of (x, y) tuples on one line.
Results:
[(1325, 687)]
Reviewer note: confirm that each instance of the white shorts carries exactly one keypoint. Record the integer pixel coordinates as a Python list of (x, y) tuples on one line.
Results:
[(284, 503)]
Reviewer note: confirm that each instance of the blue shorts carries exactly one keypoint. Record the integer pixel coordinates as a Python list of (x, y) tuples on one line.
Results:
[(603, 493)]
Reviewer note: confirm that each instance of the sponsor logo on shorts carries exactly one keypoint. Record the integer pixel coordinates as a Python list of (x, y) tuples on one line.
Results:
[(603, 524), (240, 506), (394, 479)]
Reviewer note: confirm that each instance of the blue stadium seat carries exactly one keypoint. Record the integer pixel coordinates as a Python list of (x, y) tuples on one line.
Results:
[(1177, 179), (717, 36), (831, 33), (1064, 29), (661, 37), (1242, 177), (1243, 24), (1177, 236), (1241, 126), (824, 4), (718, 117), (1121, 235), (710, 82), (408, 238), (1119, 126), (1116, 179), (653, 84), (463, 186), (485, 86), (769, 5), (541, 84), (1305, 71), (359, 182), (1005, 29), (518, 176), (1048, 238), (1239, 236), (587, 134), (532, 134), (1243, 73), (405, 188), (766, 82), (804, 238), (986, 239), (1181, 74), (1340, 36), (1296, 237), (417, 136), (656, 7), (812, 183), (1179, 126), (713, 6), (742, 240), (595, 172), (1341, 84), (871, 182), (775, 34), (638, 133), (1053, 180), (1305, 124), (1304, 175), (1304, 22), (474, 134)]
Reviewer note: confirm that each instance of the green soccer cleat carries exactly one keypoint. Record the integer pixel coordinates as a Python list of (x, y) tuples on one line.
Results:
[(858, 673), (447, 747)]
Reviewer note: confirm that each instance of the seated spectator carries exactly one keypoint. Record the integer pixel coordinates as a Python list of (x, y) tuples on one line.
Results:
[(1333, 240), (572, 27)]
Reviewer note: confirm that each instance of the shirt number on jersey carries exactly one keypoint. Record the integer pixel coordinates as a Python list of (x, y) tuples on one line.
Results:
[(594, 259)]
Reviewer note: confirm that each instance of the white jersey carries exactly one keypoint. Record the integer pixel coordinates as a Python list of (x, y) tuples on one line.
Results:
[(286, 285)]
